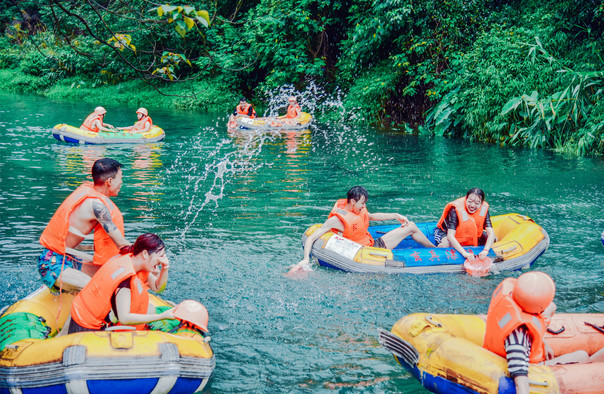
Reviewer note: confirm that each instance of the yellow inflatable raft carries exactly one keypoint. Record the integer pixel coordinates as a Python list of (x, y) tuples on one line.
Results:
[(67, 133), (33, 360), (271, 123), (445, 354), (520, 241)]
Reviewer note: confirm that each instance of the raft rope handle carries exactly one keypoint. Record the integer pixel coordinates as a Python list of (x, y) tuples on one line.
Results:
[(432, 322), (120, 328), (556, 332), (509, 250), (379, 254), (535, 383), (601, 329)]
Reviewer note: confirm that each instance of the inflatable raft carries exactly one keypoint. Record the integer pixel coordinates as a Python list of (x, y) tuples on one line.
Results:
[(520, 241), (445, 354), (303, 122), (33, 360), (66, 133)]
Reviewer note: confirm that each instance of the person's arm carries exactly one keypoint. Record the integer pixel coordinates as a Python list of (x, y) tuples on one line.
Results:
[(103, 216), (518, 349), (388, 216), (123, 303), (146, 128), (333, 222), (158, 283), (101, 125), (490, 237)]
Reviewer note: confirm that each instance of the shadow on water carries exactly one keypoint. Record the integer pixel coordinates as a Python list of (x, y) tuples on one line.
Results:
[(232, 207)]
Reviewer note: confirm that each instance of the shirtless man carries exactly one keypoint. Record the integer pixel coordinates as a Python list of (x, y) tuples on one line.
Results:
[(88, 208)]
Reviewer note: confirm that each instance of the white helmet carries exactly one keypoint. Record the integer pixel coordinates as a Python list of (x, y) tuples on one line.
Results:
[(142, 111), (100, 111)]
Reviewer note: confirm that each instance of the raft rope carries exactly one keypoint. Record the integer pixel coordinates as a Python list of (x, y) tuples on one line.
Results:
[(601, 329)]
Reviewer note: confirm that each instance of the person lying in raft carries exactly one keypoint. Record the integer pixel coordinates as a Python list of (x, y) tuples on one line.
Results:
[(118, 293), (466, 222), (244, 109), (143, 124), (94, 121), (88, 208), (518, 316), (350, 219)]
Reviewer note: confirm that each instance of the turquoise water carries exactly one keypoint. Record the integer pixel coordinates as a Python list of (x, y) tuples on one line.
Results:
[(232, 208)]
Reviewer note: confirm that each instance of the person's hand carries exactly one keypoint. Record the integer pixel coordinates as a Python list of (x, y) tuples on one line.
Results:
[(303, 265), (469, 255), (549, 352), (483, 254), (403, 219), (169, 314), (165, 263)]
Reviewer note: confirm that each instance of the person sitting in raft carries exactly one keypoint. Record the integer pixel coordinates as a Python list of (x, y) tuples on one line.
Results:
[(350, 219), (88, 208), (293, 110), (118, 292), (244, 109), (143, 124), (94, 121), (518, 316), (464, 223)]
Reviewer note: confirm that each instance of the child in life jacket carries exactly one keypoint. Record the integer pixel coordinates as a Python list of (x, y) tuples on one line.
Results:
[(518, 316)]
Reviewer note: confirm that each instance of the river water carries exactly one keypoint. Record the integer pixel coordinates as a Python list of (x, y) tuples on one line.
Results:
[(232, 207)]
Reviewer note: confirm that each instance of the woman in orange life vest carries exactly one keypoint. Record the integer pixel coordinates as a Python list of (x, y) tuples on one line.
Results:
[(143, 124), (117, 293), (464, 222), (350, 219), (94, 121), (518, 316), (293, 110)]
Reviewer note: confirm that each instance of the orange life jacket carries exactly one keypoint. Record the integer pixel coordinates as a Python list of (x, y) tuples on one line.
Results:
[(92, 305), (87, 125), (54, 235), (470, 226), (355, 226), (505, 316), (245, 110), (291, 111), (140, 124)]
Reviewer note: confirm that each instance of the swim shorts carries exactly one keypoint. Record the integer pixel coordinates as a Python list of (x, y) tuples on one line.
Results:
[(379, 243), (50, 265)]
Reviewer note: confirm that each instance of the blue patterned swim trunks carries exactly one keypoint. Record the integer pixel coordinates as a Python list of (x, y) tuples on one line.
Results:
[(50, 265)]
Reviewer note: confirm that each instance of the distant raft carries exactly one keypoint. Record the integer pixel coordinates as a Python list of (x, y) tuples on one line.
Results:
[(520, 241), (271, 123), (74, 135), (168, 358), (445, 354)]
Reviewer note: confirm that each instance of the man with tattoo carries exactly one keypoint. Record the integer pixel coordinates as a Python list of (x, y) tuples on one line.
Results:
[(88, 208)]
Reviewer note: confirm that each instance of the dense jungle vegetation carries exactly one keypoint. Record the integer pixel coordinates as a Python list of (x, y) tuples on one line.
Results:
[(516, 72)]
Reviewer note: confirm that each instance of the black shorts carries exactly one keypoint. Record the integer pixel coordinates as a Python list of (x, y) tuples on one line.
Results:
[(75, 327), (379, 243)]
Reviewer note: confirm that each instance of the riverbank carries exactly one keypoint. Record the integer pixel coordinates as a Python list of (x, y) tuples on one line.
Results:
[(204, 95)]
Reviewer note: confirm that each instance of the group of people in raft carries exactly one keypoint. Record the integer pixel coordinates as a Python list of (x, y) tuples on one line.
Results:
[(246, 110), (112, 284), (95, 122), (520, 309)]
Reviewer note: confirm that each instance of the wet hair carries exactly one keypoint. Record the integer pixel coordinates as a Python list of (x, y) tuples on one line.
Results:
[(148, 241), (104, 169), (356, 192), (476, 191), (242, 99)]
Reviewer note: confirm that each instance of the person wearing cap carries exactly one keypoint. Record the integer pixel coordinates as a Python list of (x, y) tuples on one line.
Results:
[(143, 124), (517, 319), (293, 110), (87, 209), (466, 222), (94, 121), (350, 219), (118, 292)]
